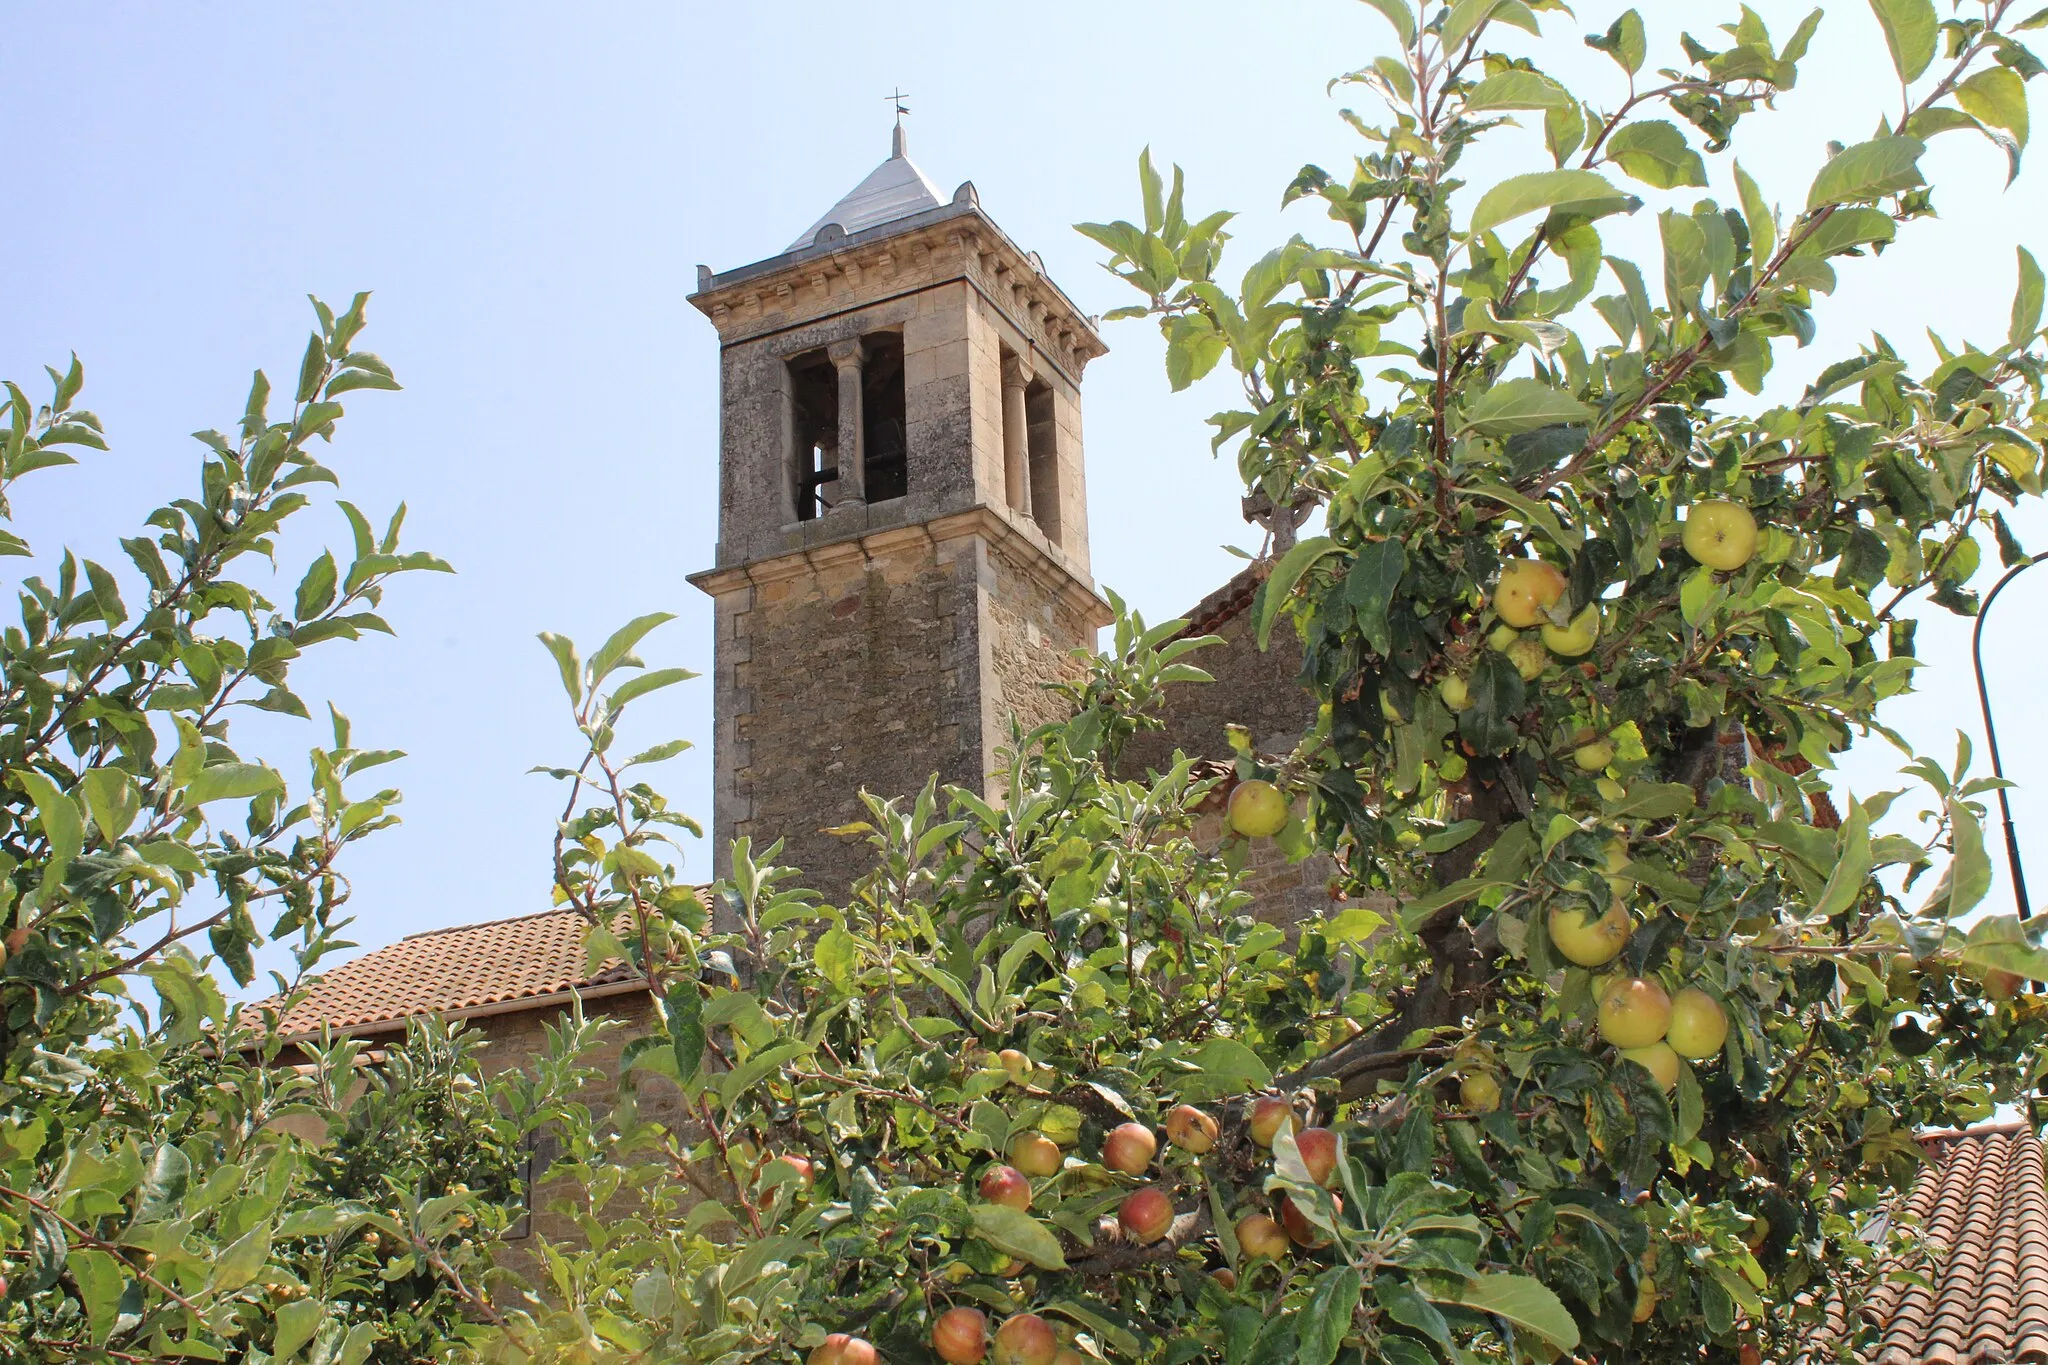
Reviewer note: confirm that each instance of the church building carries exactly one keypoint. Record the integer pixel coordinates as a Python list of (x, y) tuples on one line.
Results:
[(902, 564)]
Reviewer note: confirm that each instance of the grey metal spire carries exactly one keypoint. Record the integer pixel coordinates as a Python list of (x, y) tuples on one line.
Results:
[(895, 189)]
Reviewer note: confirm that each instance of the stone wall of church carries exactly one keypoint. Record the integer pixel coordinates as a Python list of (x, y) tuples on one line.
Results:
[(1032, 631), (860, 671)]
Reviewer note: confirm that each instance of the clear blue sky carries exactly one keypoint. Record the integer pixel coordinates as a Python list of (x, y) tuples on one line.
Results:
[(529, 189)]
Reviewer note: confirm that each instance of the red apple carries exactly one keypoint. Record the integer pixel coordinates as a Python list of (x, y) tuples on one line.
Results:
[(1224, 1276), (1268, 1113), (841, 1349), (805, 1171), (960, 1336), (1258, 1235), (1146, 1214), (1190, 1129), (1006, 1185), (1035, 1154), (1318, 1147), (1026, 1339), (1297, 1225), (1129, 1148)]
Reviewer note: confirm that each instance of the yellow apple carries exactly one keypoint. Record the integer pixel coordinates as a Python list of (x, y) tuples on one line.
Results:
[(1527, 588), (1646, 1300), (1587, 941), (1594, 756), (1720, 534), (1258, 1235), (1529, 657), (1190, 1129), (1659, 1060), (1698, 1024), (1036, 1155), (1026, 1339), (1479, 1093), (1634, 1012), (1257, 809), (1456, 693), (1576, 638), (1268, 1113)]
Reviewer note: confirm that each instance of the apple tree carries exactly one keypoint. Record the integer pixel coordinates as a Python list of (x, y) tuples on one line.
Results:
[(1618, 1043)]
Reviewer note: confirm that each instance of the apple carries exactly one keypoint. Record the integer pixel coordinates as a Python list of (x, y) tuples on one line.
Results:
[(1257, 809), (1698, 1024), (1067, 1355), (1297, 1225), (841, 1349), (1577, 638), (1527, 588), (960, 1336), (1036, 1155), (1719, 534), (1479, 1093), (1646, 1300), (1006, 1185), (1026, 1339), (1529, 657), (1268, 1113), (1017, 1064), (1749, 1355), (1615, 855), (1225, 1278), (1594, 756), (1189, 1129), (1318, 1148), (1258, 1235), (1757, 1233), (1145, 1214), (1659, 1060), (805, 1171), (1588, 941), (1129, 1148), (1456, 693), (1634, 1012)]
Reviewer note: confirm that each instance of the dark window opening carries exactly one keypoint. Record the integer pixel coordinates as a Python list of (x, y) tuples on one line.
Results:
[(885, 443), (814, 412), (1042, 446)]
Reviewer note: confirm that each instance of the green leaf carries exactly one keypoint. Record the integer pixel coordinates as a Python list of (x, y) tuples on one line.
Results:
[(1845, 230), (564, 650), (1526, 1303), (1464, 19), (1756, 213), (1851, 871), (1400, 15), (1497, 694), (833, 956), (1513, 406), (58, 815), (111, 799), (2026, 301), (297, 1321), (1910, 28), (1369, 588), (1624, 41), (106, 594), (641, 684), (1997, 96), (232, 781), (1570, 190), (311, 368), (683, 1009), (758, 1068), (1518, 90), (243, 1260), (2000, 943), (1232, 1064), (1968, 876), (100, 1279), (1016, 1233), (1655, 152), (316, 589), (1868, 171), (1328, 1315), (619, 648), (1280, 583)]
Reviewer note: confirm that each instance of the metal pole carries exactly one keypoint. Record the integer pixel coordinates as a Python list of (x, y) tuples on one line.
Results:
[(2012, 842)]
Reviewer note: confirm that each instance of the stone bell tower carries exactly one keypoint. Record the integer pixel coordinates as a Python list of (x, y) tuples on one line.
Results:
[(902, 533)]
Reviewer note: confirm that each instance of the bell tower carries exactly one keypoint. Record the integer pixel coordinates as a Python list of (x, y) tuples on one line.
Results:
[(903, 518)]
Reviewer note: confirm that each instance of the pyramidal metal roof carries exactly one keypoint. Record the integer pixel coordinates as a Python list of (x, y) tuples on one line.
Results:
[(895, 189)]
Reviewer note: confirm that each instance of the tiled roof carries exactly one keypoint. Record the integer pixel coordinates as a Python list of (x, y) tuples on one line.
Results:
[(464, 970), (1982, 1205), (1227, 601)]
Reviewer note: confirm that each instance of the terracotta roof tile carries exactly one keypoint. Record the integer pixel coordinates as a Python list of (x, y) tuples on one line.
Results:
[(453, 971), (1982, 1207), (1227, 601)]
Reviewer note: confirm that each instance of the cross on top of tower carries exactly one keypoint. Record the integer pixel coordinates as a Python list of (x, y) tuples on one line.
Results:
[(896, 140)]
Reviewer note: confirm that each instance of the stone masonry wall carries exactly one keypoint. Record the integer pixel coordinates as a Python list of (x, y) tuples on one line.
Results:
[(1032, 632), (860, 674)]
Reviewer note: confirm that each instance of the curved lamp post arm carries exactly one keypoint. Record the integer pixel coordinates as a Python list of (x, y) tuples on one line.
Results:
[(2012, 843)]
